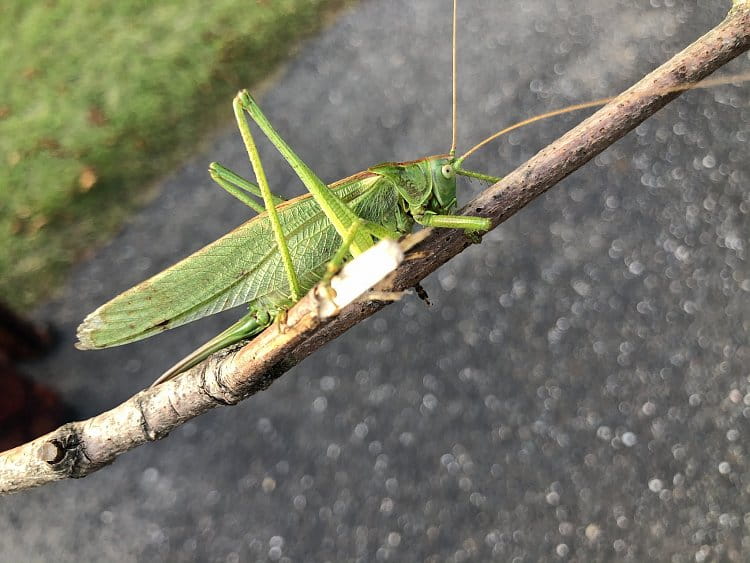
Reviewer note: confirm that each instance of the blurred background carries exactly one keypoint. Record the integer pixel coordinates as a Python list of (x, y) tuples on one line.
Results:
[(100, 102), (578, 389)]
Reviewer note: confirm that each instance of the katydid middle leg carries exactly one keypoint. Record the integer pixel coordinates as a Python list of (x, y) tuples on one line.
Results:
[(334, 264)]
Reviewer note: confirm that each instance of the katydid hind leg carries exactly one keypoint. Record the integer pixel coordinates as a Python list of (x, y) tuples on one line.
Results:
[(239, 187), (234, 190), (338, 212), (248, 326), (273, 216)]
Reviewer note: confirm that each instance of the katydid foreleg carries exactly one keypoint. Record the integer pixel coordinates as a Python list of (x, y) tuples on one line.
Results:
[(465, 222)]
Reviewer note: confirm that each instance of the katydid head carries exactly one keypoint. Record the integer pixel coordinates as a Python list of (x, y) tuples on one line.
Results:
[(426, 185), (443, 175)]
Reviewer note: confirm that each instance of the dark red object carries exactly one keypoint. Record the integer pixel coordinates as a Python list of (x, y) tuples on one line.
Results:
[(27, 409)]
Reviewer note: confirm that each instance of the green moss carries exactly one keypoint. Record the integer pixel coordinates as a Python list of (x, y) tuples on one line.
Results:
[(99, 100)]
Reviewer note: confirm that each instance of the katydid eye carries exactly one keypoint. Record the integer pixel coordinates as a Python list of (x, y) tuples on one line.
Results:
[(447, 171)]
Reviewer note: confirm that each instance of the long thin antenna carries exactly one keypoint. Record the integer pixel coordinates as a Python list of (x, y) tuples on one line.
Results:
[(707, 83), (455, 82), (531, 120)]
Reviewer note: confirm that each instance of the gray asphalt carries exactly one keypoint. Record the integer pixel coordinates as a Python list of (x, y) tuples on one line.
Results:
[(579, 389)]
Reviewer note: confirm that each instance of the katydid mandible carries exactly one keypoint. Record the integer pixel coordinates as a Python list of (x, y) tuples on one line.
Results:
[(273, 259)]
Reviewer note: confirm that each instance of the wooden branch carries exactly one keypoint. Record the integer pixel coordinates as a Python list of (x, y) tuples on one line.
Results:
[(80, 448)]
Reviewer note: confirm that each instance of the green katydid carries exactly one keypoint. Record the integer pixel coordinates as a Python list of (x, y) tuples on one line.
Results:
[(270, 261)]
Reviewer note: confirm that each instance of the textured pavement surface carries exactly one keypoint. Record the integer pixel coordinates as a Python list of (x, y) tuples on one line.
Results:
[(579, 389)]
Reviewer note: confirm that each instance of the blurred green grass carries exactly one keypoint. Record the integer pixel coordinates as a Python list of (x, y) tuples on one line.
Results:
[(99, 99)]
